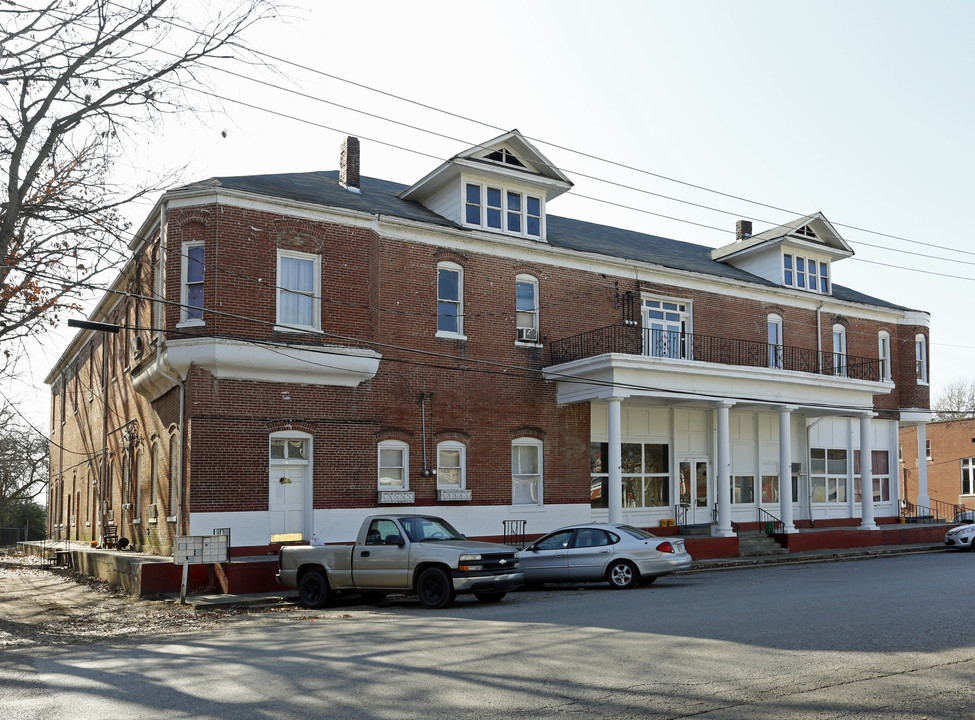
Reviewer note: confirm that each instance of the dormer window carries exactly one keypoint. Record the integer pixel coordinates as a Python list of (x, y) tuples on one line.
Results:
[(505, 157), (496, 208), (805, 273)]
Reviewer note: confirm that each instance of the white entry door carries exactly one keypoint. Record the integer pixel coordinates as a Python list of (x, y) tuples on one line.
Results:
[(286, 499), (695, 490)]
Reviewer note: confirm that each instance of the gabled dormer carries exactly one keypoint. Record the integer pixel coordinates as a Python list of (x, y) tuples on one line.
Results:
[(501, 186), (798, 254)]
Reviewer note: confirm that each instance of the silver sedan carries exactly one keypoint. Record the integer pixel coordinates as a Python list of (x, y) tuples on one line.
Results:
[(621, 555)]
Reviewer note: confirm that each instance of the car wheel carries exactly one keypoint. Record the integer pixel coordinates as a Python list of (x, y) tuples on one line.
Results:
[(622, 575), (490, 597), (313, 590), (434, 589)]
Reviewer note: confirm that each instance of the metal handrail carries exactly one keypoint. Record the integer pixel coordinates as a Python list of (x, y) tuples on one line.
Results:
[(665, 344), (937, 512), (768, 522), (680, 514)]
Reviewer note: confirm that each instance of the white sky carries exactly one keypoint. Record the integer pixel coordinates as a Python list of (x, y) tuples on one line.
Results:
[(860, 109)]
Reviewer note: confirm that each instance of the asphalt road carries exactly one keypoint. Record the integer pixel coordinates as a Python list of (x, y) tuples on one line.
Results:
[(884, 638)]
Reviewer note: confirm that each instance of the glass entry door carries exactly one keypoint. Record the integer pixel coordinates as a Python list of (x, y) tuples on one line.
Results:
[(694, 491)]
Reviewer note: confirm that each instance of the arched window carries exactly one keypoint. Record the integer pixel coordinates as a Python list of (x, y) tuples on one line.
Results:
[(393, 465), (526, 472), (450, 300), (883, 352), (839, 350), (775, 347), (175, 476), (451, 465)]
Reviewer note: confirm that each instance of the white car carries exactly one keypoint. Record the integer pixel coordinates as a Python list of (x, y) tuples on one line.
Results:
[(961, 537)]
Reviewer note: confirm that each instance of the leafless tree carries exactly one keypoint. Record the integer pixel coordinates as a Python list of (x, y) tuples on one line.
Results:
[(956, 401), (23, 461), (80, 81)]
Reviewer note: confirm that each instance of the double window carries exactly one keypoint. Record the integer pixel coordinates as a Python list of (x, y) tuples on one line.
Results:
[(526, 308), (497, 208), (450, 300), (192, 269), (299, 280), (394, 465), (805, 273), (646, 474), (828, 468), (526, 472), (451, 466)]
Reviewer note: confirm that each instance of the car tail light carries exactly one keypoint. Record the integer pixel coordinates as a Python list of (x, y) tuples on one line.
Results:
[(665, 547)]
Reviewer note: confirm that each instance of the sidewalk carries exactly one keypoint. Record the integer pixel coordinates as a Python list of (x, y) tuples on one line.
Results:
[(203, 603)]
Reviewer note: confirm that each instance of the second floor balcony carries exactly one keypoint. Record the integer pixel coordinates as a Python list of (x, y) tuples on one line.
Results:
[(676, 345)]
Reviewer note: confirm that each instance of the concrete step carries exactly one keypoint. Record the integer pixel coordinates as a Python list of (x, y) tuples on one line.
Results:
[(758, 544)]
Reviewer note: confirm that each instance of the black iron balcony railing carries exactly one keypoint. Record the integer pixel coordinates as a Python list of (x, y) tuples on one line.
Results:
[(634, 340)]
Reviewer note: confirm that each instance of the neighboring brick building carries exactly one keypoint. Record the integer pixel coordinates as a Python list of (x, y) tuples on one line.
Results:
[(300, 349), (948, 473)]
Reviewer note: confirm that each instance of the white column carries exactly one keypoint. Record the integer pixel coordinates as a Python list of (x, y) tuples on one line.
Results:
[(615, 460), (923, 499), (785, 469), (724, 472), (866, 474)]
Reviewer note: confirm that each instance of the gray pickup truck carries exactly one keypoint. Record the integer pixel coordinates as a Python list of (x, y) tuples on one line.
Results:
[(418, 554)]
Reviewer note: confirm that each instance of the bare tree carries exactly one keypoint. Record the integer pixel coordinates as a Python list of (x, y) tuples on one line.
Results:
[(956, 401), (79, 81), (23, 462)]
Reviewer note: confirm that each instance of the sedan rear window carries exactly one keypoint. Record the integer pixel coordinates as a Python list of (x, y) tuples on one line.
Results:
[(635, 532)]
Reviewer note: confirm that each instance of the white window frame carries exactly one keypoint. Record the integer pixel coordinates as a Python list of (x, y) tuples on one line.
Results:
[(921, 359), (174, 475), (504, 209), (927, 449), (739, 483), (404, 450), (539, 476), (815, 280), (832, 481), (281, 324), (840, 355), (968, 468), (154, 451), (674, 325), (521, 315), (776, 350), (184, 293), (883, 352), (137, 479), (881, 480), (458, 302), (452, 446)]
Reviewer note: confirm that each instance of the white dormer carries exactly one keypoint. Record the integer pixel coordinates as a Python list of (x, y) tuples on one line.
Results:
[(797, 255), (501, 186)]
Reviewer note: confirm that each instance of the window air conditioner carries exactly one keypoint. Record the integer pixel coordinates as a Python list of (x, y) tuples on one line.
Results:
[(527, 334)]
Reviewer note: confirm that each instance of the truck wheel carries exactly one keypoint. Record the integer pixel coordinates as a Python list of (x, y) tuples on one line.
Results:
[(622, 575), (434, 588), (313, 590), (490, 597)]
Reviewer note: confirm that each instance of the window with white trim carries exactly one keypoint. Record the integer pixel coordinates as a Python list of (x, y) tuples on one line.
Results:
[(646, 474), (154, 480), (921, 358), (173, 475), (927, 449), (775, 347), (192, 272), (450, 299), (526, 308), (968, 476), (526, 472), (393, 465), (883, 352), (451, 465), (879, 470), (743, 490), (499, 208), (839, 350), (805, 273), (298, 284), (827, 474), (665, 324)]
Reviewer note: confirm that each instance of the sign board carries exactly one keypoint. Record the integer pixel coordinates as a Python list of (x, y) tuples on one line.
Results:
[(206, 549)]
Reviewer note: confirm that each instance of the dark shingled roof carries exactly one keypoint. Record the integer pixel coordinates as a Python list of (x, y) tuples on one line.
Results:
[(380, 197)]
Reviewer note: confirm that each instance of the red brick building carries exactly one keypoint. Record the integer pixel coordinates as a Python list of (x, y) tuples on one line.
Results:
[(297, 350), (946, 476)]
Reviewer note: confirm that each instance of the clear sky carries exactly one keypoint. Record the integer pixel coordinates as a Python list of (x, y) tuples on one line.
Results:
[(859, 109)]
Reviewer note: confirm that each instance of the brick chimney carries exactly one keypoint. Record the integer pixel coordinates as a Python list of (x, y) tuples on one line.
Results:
[(743, 230), (349, 164)]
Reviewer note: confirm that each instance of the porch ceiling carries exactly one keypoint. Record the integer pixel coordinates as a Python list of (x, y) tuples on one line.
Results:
[(680, 381)]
